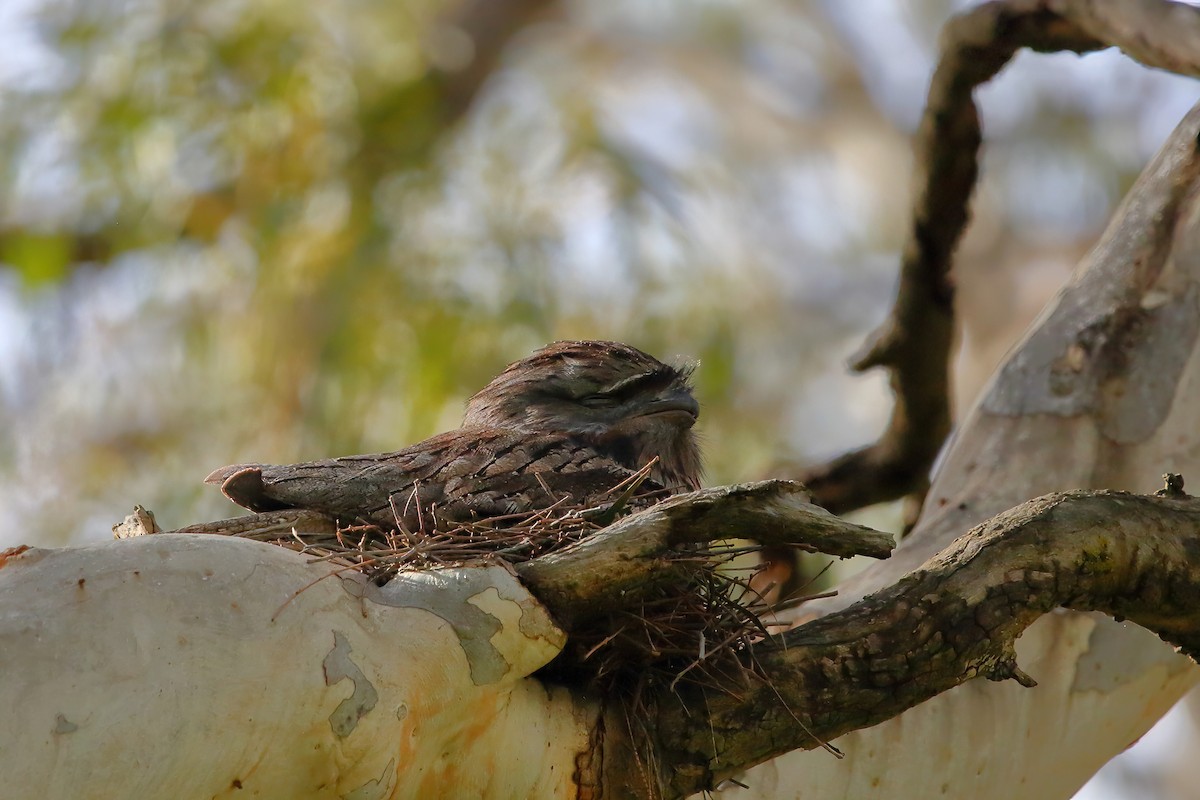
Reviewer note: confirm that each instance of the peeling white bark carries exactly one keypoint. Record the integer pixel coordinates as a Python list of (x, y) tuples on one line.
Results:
[(202, 666)]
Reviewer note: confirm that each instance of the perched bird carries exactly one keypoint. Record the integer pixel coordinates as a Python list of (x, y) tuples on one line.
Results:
[(574, 418), (626, 404)]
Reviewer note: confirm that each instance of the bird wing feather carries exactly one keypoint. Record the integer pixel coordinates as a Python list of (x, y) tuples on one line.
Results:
[(464, 474)]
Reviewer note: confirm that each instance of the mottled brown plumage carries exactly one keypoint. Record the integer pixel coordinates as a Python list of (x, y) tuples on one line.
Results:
[(574, 418), (624, 403)]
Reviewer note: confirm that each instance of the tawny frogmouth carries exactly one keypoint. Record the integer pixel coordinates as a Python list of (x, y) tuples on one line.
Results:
[(574, 418)]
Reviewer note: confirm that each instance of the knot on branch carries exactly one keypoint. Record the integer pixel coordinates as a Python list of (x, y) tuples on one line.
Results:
[(1172, 486), (1004, 668)]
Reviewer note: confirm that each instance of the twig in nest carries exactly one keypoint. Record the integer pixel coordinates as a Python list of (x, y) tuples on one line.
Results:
[(687, 614)]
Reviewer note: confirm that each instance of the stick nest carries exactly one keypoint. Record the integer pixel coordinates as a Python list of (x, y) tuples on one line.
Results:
[(696, 630)]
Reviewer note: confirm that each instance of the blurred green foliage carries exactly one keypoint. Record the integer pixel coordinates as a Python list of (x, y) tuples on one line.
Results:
[(261, 230)]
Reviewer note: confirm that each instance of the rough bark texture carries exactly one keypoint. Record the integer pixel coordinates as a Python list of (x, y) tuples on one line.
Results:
[(954, 619), (622, 565)]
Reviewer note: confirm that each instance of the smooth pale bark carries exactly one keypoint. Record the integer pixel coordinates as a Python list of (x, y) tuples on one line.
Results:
[(1104, 392), (229, 665), (189, 666)]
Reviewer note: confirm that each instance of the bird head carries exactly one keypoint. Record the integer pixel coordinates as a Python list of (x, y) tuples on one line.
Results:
[(625, 403)]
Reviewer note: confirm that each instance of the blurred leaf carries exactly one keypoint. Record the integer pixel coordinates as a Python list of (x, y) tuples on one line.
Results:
[(39, 259)]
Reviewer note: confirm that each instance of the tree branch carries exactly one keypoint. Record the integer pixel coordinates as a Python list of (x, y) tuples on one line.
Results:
[(914, 342), (491, 25), (1100, 394), (957, 617), (622, 564)]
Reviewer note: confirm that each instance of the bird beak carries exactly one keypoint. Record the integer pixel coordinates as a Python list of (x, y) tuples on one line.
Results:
[(676, 402)]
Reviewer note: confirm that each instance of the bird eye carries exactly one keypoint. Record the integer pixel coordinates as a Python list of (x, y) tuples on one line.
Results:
[(598, 401)]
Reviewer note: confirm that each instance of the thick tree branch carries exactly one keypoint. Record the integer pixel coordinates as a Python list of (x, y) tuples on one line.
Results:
[(1133, 557), (622, 564), (914, 343)]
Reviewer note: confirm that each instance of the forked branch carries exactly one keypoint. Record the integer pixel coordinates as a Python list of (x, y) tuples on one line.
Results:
[(1133, 557), (620, 565), (914, 342)]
